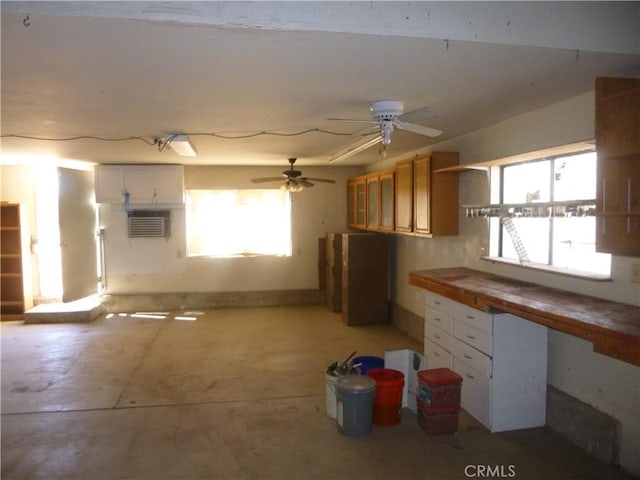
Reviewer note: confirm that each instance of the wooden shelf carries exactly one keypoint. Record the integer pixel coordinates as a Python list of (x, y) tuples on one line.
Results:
[(11, 279)]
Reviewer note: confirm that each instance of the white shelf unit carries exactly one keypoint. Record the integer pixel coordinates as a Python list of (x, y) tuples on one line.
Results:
[(502, 359)]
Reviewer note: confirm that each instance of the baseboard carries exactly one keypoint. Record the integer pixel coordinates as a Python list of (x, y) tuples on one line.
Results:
[(117, 302)]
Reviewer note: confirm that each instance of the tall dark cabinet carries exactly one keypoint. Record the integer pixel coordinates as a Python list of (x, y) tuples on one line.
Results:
[(333, 271), (358, 277)]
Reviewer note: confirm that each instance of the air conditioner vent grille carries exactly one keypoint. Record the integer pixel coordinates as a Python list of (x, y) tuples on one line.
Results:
[(149, 223)]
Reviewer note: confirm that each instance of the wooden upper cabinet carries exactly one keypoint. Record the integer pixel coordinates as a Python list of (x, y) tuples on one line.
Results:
[(422, 195), (357, 202), (387, 204), (617, 127), (373, 202), (404, 196), (435, 195), (414, 198)]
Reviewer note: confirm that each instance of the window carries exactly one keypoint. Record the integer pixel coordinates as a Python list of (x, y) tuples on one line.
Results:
[(545, 214), (231, 223)]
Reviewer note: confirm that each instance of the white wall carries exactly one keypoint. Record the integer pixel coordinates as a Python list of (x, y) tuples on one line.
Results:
[(160, 265), (610, 385)]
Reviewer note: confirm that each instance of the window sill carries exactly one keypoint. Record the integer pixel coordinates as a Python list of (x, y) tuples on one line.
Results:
[(566, 272)]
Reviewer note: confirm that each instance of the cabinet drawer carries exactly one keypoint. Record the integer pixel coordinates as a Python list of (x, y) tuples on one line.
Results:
[(439, 337), (474, 358), (439, 319), (472, 336), (475, 395), (438, 302), (437, 357), (476, 318)]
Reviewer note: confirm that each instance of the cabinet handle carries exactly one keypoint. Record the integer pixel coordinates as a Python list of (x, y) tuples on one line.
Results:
[(467, 356), (435, 335), (437, 319), (470, 337), (469, 376), (628, 204), (604, 203), (436, 354), (470, 317)]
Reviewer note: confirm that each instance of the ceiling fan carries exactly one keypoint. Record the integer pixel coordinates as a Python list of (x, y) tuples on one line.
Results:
[(293, 181), (387, 115)]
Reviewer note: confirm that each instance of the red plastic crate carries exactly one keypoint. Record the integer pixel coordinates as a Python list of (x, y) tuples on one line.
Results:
[(438, 423), (439, 388)]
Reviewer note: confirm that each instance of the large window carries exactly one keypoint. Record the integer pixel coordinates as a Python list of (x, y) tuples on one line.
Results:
[(545, 214), (232, 223)]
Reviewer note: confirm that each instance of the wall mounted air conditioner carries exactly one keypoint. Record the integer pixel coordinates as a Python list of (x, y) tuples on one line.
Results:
[(149, 223)]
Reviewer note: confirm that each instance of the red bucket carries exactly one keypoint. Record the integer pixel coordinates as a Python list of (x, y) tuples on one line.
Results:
[(388, 400)]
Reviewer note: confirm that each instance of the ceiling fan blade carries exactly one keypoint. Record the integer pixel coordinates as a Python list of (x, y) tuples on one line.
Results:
[(326, 180), (350, 120), (305, 182), (267, 179), (419, 129), (418, 115)]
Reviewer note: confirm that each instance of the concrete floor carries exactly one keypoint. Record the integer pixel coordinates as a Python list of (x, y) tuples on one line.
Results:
[(236, 393)]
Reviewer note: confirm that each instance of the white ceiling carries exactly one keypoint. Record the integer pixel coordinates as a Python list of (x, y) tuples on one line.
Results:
[(151, 69)]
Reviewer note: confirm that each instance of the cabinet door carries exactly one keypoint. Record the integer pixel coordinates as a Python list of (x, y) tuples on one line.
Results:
[(361, 203), (168, 181), (351, 204), (617, 117), (139, 182), (404, 197), (109, 184), (618, 219), (422, 195), (618, 174), (373, 200), (387, 217)]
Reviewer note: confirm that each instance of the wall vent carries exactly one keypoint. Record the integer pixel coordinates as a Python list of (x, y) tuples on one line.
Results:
[(149, 223)]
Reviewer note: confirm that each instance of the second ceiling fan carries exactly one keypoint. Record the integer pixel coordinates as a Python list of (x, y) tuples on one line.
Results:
[(387, 115), (292, 179)]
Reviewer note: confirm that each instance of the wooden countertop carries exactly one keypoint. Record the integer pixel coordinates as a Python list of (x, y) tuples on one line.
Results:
[(613, 328)]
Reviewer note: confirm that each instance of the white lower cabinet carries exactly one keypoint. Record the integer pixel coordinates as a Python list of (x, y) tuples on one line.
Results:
[(501, 358)]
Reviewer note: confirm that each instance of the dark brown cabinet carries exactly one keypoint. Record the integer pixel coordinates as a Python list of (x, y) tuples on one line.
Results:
[(333, 271), (11, 281), (365, 278), (618, 173)]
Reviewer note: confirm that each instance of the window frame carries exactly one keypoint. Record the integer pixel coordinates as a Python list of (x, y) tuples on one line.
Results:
[(502, 235)]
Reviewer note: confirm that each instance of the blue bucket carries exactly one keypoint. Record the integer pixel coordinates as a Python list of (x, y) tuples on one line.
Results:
[(368, 363)]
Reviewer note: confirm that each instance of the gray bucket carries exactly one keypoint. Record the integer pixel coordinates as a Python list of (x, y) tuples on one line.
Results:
[(355, 394)]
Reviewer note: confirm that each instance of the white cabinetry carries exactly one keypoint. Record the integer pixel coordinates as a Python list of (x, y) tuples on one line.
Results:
[(145, 184), (501, 358)]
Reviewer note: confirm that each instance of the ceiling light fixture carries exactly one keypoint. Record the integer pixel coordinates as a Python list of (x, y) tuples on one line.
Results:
[(292, 186), (181, 145), (354, 148)]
